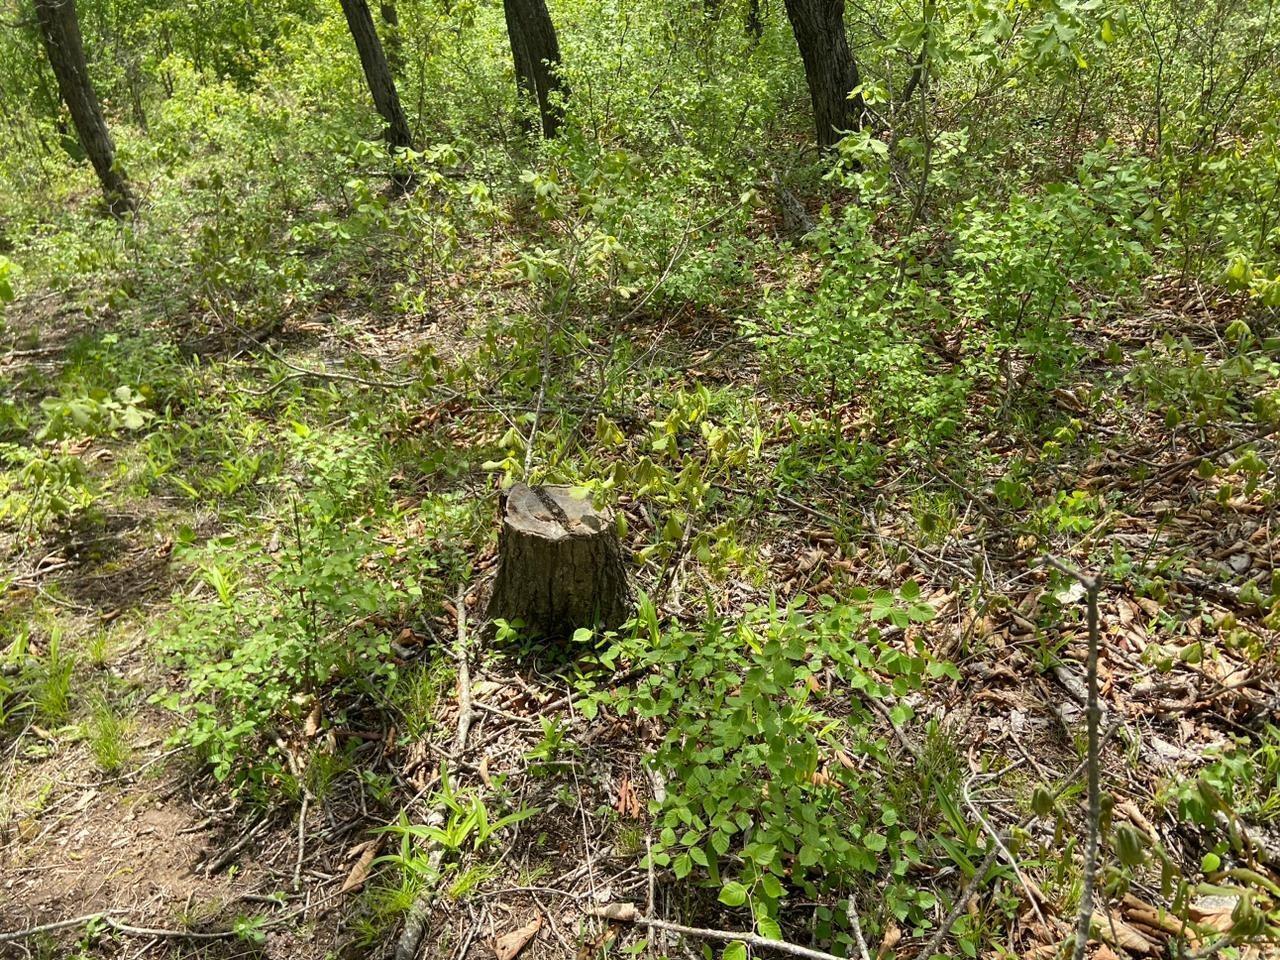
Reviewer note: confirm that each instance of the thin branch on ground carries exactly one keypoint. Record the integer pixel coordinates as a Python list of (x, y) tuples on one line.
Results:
[(302, 373), (1093, 714), (107, 919), (856, 923), (302, 840), (993, 851), (627, 913), (465, 711), (230, 853)]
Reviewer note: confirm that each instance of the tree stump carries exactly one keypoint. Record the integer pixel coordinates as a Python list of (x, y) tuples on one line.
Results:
[(560, 565)]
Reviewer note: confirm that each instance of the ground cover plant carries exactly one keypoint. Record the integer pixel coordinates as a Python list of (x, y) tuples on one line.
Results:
[(923, 360)]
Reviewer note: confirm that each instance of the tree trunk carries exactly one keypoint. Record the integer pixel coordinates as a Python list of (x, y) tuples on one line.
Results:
[(60, 34), (829, 67), (377, 72), (754, 24), (395, 43), (537, 58), (560, 564)]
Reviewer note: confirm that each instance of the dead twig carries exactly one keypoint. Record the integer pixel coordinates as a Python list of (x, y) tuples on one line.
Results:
[(465, 711), (302, 373), (994, 851), (302, 840), (856, 923), (118, 925), (213, 866), (627, 913), (1093, 714), (907, 743)]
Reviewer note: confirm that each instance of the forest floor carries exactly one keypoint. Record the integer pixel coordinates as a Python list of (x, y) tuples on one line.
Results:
[(103, 812)]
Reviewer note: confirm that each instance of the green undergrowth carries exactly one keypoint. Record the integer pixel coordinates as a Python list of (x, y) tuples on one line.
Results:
[(778, 785), (264, 423)]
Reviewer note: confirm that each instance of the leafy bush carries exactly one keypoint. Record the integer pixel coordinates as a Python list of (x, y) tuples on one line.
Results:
[(766, 744), (916, 344), (283, 627)]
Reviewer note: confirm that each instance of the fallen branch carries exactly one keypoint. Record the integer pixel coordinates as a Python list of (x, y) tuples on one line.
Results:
[(302, 373), (465, 711), (961, 902), (1188, 463), (628, 913), (118, 925), (129, 929), (302, 840), (1093, 715), (856, 923), (229, 854)]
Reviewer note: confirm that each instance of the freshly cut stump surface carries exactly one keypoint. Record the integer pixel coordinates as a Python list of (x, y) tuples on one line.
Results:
[(560, 565)]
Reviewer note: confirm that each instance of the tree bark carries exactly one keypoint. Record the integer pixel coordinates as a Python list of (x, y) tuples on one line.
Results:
[(395, 43), (377, 72), (560, 565), (536, 52), (829, 67), (754, 23), (60, 34)]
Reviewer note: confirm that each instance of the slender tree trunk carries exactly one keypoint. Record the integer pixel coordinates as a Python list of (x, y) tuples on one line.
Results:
[(60, 34), (395, 42), (829, 67), (135, 95), (754, 24), (377, 72), (537, 58)]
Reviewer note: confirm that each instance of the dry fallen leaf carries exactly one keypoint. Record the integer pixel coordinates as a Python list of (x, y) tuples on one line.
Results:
[(312, 726), (892, 935), (1138, 819), (360, 871), (510, 944), (1115, 931), (628, 803)]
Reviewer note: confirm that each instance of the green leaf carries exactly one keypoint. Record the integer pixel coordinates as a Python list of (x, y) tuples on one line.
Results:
[(875, 842), (733, 894), (735, 951), (772, 886), (920, 612)]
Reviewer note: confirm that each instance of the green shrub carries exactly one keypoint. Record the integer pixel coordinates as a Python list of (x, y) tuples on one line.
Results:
[(310, 619), (767, 748)]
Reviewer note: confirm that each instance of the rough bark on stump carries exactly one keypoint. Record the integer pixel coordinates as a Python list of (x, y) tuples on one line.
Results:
[(560, 565)]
